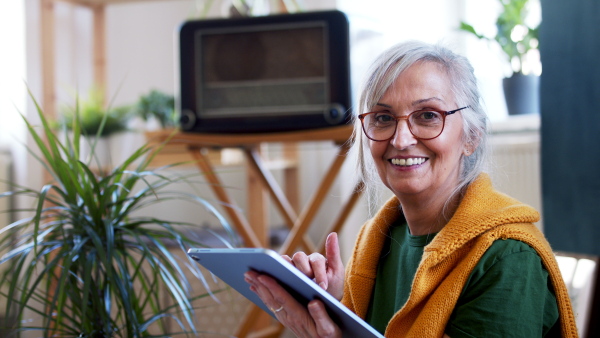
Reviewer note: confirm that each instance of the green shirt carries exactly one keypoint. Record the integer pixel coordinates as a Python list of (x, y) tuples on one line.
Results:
[(508, 294)]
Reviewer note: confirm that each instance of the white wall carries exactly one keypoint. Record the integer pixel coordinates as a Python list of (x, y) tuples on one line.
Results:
[(12, 67), (12, 89)]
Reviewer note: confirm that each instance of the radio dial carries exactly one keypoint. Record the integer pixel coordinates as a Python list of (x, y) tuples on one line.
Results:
[(187, 120), (335, 114)]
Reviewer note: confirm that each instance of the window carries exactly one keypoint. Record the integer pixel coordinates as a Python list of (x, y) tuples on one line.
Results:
[(12, 68)]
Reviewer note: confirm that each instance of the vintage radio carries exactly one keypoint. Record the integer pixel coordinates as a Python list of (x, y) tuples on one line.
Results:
[(265, 74)]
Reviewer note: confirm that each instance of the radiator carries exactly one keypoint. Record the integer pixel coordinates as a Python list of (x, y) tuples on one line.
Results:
[(516, 166)]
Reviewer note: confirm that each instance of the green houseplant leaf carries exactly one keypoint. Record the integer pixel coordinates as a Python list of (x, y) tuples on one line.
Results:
[(513, 34), (158, 105), (87, 261), (94, 118)]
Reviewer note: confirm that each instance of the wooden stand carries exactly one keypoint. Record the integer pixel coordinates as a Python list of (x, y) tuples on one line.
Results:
[(259, 181)]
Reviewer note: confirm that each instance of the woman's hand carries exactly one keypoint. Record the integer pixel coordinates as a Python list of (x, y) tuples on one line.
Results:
[(327, 272), (309, 321)]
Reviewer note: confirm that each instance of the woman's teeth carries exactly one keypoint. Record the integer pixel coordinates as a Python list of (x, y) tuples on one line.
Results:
[(407, 161)]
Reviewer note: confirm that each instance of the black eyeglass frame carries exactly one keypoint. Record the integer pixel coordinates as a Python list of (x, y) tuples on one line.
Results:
[(361, 117)]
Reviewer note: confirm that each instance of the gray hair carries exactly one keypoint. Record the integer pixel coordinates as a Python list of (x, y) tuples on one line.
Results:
[(382, 74)]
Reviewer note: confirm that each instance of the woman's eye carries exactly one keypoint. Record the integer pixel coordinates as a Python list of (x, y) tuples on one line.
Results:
[(384, 118), (429, 116)]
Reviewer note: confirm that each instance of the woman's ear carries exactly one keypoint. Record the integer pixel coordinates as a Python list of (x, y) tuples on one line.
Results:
[(468, 150), (471, 146)]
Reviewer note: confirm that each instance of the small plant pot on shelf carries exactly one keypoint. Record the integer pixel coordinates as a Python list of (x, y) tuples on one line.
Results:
[(99, 157), (522, 94)]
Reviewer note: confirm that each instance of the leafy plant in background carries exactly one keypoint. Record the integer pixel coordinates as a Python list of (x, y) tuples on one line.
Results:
[(87, 261), (94, 117), (246, 8), (513, 35), (158, 105)]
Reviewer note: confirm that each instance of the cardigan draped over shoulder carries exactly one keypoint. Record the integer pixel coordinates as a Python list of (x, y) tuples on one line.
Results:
[(483, 216)]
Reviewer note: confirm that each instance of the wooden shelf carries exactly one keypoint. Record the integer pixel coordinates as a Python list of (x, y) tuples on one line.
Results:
[(338, 135)]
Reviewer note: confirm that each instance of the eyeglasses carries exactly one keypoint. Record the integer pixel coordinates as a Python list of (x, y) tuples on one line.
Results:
[(425, 124)]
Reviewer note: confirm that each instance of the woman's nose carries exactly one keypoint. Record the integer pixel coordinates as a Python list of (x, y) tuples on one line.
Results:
[(403, 138)]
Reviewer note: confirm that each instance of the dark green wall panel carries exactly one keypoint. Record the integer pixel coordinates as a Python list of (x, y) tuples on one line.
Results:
[(570, 108)]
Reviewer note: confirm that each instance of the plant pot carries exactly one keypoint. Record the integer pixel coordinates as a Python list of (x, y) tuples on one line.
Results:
[(522, 94), (101, 158)]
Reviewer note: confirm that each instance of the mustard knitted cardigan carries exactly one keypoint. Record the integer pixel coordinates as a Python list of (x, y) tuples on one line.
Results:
[(483, 217)]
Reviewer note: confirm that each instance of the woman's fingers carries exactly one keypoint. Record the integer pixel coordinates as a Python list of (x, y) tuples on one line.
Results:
[(327, 271), (319, 267), (313, 266), (323, 324), (311, 321), (335, 266), (302, 263), (332, 251), (272, 294)]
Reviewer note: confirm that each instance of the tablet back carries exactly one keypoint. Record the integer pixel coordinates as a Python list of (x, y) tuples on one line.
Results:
[(231, 264)]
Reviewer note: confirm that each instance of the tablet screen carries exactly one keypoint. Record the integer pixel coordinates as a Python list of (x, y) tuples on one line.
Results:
[(231, 264)]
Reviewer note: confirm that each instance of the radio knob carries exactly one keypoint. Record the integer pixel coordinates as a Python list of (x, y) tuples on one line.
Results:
[(335, 114), (187, 119)]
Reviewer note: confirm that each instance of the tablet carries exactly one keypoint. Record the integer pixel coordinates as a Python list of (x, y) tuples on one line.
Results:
[(231, 264)]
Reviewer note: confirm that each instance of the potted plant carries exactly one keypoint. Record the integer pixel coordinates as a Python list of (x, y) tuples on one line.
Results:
[(247, 8), (97, 123), (87, 261), (518, 41), (95, 119), (159, 106)]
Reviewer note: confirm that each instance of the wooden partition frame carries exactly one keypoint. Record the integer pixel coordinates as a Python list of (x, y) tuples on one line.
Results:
[(260, 180)]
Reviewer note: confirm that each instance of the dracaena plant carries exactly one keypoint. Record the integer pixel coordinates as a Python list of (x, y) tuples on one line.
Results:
[(86, 260)]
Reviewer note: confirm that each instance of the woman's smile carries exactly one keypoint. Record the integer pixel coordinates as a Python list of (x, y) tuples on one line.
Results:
[(408, 162)]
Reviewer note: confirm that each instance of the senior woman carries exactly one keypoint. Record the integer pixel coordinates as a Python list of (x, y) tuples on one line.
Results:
[(447, 255)]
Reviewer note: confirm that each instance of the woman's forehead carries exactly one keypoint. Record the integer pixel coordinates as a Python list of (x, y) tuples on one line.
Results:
[(421, 83)]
